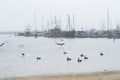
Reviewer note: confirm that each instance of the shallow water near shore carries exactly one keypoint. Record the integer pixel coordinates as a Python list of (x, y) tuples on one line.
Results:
[(53, 61)]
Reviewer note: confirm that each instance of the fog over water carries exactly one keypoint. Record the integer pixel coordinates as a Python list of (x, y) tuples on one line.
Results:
[(16, 14), (53, 61)]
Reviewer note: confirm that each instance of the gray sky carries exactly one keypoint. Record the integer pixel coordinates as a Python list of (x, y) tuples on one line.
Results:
[(16, 14)]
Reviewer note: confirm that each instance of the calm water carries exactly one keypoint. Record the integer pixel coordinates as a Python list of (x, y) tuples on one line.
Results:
[(53, 61)]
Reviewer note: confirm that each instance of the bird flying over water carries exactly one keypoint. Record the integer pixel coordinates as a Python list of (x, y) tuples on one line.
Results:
[(2, 44)]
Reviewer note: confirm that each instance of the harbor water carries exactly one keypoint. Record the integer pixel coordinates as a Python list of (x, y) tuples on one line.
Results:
[(53, 61)]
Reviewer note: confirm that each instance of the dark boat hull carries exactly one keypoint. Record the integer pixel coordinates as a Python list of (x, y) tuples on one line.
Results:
[(56, 33), (68, 34)]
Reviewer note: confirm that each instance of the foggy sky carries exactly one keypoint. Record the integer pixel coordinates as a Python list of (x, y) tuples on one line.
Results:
[(16, 14)]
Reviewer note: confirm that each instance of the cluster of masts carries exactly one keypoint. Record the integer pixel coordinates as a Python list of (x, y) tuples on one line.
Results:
[(53, 28), (54, 22)]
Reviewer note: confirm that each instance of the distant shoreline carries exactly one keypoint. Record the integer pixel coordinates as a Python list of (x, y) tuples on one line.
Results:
[(7, 32), (108, 75)]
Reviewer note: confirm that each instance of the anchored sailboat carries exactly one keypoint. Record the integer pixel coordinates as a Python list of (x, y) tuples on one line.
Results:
[(57, 32), (27, 32)]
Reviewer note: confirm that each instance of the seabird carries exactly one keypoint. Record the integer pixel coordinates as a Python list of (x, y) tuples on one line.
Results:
[(22, 54), (79, 60), (64, 52), (101, 54), (68, 59), (2, 44), (38, 58)]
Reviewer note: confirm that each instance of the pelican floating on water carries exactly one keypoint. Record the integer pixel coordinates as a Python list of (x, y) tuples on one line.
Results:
[(21, 45), (22, 54), (101, 54), (69, 59), (79, 60), (38, 58), (64, 52)]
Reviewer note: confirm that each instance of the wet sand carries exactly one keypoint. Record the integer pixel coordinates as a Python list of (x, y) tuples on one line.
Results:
[(110, 75)]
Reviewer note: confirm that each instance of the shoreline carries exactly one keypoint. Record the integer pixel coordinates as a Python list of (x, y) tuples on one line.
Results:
[(108, 75)]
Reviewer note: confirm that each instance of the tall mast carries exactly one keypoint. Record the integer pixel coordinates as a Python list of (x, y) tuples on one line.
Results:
[(73, 21), (35, 21), (42, 23), (47, 25), (69, 27), (55, 21), (108, 26), (51, 23)]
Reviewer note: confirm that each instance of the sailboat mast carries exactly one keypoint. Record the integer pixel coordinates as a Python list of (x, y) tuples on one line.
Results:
[(42, 23), (68, 23), (73, 21), (108, 21), (35, 21), (55, 21)]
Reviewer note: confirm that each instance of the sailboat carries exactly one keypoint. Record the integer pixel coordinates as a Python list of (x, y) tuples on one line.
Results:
[(57, 32), (27, 32)]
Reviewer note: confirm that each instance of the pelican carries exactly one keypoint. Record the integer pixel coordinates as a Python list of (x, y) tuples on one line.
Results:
[(38, 58), (85, 57), (101, 54), (22, 54), (81, 55), (65, 52), (20, 45), (79, 60), (68, 59)]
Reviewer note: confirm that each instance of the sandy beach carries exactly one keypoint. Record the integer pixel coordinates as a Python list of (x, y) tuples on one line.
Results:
[(110, 75)]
